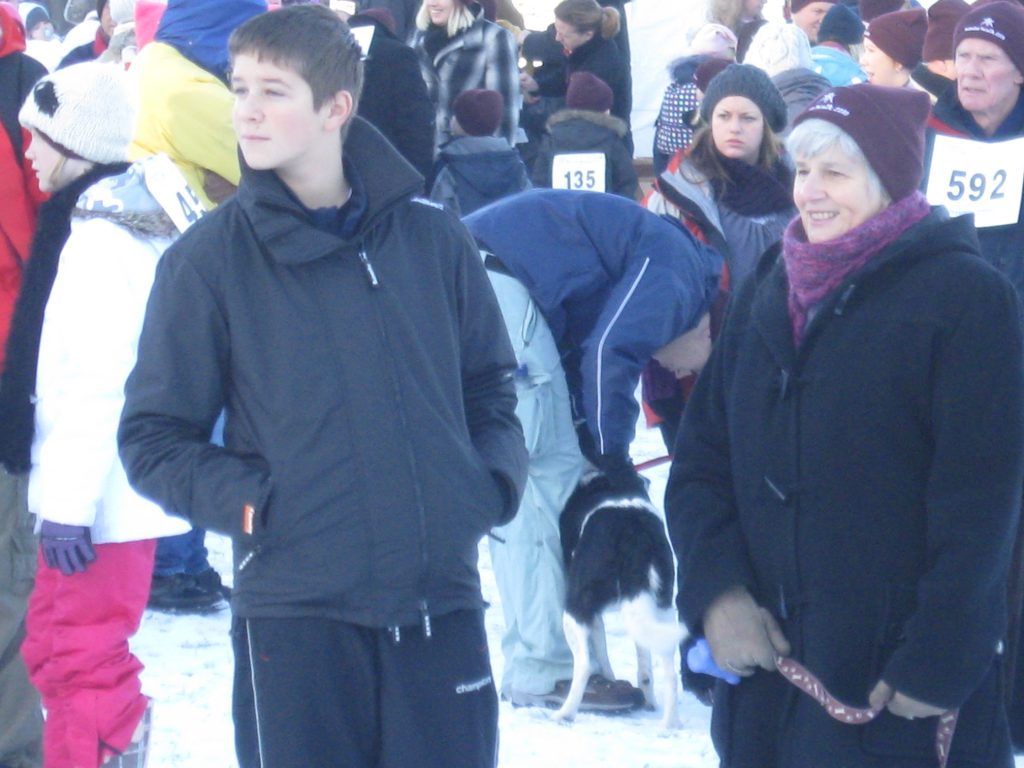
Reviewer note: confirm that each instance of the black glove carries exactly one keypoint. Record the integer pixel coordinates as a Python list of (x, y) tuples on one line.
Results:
[(67, 547)]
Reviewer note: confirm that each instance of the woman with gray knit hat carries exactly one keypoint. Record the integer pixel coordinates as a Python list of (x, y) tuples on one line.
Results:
[(73, 341), (732, 189), (849, 464), (732, 184)]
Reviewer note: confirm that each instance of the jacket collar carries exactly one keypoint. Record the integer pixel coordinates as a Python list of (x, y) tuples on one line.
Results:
[(471, 39), (282, 225), (932, 237)]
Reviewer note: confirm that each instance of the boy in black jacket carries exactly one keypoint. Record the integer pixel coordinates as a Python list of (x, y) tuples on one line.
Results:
[(350, 334)]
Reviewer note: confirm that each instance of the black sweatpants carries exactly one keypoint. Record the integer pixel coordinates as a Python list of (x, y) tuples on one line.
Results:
[(319, 693)]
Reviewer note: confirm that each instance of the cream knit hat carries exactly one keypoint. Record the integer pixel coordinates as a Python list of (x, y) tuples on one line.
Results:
[(85, 110)]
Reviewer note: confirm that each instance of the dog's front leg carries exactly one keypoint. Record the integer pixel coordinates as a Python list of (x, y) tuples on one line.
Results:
[(577, 636)]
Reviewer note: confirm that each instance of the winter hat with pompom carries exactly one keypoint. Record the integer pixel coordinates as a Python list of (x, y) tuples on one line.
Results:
[(87, 111)]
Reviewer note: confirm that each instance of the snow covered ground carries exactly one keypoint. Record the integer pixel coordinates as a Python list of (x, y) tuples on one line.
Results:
[(189, 668)]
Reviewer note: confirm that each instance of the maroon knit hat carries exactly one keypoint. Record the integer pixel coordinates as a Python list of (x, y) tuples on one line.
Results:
[(799, 5), (872, 9), (888, 126), (707, 70), (382, 15), (900, 35), (942, 20), (587, 91), (479, 111), (1001, 23)]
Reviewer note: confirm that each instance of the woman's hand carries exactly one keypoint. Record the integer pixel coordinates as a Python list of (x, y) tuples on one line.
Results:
[(742, 635), (900, 704)]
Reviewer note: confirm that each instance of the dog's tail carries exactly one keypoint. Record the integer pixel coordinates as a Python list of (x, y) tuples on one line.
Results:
[(650, 626)]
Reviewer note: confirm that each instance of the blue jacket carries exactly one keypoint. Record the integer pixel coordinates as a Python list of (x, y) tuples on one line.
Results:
[(199, 29), (615, 283)]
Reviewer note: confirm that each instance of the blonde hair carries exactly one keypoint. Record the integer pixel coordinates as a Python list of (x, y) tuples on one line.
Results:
[(588, 16), (727, 13), (461, 18)]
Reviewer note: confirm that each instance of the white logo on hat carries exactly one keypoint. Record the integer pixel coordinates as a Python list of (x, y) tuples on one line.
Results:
[(827, 104), (988, 26)]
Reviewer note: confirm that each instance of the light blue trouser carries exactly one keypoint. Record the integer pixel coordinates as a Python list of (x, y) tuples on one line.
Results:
[(528, 559)]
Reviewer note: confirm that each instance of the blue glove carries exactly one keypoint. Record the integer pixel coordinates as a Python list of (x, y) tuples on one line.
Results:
[(67, 547)]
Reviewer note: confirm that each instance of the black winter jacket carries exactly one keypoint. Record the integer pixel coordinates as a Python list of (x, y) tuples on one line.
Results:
[(602, 57), (368, 392), (395, 99), (863, 488), (583, 130)]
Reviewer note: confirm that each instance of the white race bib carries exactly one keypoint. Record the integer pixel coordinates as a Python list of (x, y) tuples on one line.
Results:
[(580, 170), (169, 188), (983, 178)]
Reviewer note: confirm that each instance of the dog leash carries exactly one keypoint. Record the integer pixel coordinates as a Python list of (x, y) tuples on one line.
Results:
[(699, 659), (652, 463), (797, 674)]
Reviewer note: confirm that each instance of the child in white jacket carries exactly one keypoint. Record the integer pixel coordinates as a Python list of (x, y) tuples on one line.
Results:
[(97, 536)]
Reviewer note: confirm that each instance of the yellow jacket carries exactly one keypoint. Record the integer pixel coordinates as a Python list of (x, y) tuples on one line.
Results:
[(184, 112)]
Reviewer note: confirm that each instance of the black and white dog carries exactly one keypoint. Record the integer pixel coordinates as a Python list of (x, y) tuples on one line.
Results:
[(616, 552)]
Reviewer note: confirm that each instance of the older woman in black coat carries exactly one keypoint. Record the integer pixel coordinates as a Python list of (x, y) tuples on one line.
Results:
[(850, 465)]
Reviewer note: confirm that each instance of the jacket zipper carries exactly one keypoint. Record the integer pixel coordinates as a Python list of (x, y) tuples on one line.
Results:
[(424, 608)]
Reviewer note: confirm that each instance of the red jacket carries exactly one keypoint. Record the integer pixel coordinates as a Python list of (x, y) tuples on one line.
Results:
[(19, 188)]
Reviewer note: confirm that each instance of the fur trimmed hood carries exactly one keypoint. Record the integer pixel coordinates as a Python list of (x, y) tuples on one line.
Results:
[(614, 124), (125, 200)]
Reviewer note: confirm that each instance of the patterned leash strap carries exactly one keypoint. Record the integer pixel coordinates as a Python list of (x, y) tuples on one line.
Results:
[(797, 674)]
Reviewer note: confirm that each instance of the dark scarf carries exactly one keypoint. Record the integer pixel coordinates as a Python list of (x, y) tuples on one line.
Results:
[(815, 270), (18, 384), (436, 38), (751, 190)]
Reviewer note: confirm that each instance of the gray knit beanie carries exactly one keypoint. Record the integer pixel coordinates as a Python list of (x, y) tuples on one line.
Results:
[(752, 83)]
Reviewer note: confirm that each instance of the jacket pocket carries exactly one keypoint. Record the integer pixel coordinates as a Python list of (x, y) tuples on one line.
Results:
[(976, 740)]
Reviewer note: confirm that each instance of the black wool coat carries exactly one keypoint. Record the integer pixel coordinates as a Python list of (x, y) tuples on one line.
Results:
[(395, 98), (863, 488), (601, 57)]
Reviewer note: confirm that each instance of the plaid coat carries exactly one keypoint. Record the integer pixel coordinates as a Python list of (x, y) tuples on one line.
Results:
[(484, 56)]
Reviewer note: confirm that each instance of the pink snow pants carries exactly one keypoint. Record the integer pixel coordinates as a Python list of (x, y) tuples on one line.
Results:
[(77, 655)]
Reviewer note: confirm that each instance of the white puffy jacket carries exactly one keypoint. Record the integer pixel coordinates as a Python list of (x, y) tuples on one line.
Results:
[(89, 339)]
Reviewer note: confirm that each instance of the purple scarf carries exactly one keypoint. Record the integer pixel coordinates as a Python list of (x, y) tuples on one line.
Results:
[(816, 269)]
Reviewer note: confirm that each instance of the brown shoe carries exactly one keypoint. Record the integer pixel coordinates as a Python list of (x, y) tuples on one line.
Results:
[(601, 695)]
